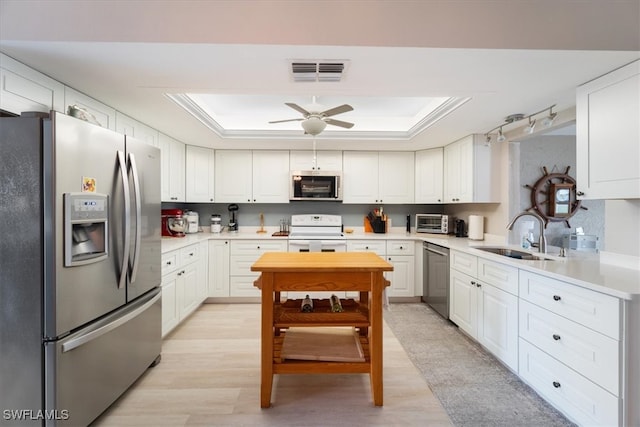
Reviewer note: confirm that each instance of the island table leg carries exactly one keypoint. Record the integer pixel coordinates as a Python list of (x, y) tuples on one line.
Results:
[(375, 337), (266, 358)]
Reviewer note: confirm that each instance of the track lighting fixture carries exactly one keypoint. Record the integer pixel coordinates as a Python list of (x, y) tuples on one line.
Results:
[(530, 126), (548, 121), (513, 118)]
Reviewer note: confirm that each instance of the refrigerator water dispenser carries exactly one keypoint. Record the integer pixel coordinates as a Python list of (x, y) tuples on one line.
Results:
[(85, 228)]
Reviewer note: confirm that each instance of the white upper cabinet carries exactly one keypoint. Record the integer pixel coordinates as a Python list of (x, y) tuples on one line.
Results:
[(233, 176), (471, 171), (608, 135), (271, 178), (372, 177), (429, 176), (172, 178), (104, 115), (129, 126), (199, 174), (244, 176), (324, 161), (25, 89)]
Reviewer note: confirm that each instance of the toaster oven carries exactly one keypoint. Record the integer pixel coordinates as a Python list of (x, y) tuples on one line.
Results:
[(433, 223)]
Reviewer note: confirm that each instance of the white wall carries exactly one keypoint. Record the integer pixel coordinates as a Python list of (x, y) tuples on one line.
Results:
[(622, 225)]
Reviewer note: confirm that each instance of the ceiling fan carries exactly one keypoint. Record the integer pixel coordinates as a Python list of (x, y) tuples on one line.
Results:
[(315, 120)]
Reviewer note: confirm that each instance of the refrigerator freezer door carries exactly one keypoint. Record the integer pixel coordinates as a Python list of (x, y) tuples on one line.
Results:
[(87, 371), (81, 158), (145, 253)]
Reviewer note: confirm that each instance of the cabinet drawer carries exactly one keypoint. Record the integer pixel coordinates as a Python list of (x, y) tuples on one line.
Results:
[(170, 261), (465, 263), (499, 275), (242, 286), (257, 247), (589, 308), (400, 247), (240, 265), (576, 396), (590, 353), (376, 246), (189, 254)]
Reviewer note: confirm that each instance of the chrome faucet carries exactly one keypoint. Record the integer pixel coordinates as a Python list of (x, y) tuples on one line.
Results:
[(542, 240)]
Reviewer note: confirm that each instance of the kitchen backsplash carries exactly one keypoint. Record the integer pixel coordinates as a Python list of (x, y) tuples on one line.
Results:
[(352, 215)]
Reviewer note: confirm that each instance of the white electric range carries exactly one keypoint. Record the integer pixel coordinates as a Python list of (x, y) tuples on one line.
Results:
[(316, 233)]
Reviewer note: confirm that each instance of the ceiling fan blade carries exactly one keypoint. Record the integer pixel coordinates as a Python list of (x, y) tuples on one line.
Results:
[(288, 120), (337, 110), (297, 108), (340, 123)]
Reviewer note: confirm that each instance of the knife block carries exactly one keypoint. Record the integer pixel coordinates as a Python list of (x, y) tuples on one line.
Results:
[(378, 225)]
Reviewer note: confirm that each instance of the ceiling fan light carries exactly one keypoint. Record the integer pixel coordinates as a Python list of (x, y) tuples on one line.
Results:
[(313, 125)]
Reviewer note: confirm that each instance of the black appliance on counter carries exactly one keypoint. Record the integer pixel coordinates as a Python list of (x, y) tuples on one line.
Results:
[(461, 230), (233, 220)]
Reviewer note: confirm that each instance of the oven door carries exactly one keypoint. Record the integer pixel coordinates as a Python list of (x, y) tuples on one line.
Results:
[(317, 245)]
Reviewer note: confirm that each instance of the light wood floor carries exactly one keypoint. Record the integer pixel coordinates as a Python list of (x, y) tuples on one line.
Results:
[(210, 376)]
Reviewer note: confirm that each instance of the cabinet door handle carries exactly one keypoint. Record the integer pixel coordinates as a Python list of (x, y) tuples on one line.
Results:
[(556, 337), (556, 384), (557, 298), (579, 193), (258, 247), (169, 263), (479, 285), (473, 282)]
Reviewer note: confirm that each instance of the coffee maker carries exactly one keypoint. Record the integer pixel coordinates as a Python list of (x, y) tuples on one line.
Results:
[(174, 224), (233, 222)]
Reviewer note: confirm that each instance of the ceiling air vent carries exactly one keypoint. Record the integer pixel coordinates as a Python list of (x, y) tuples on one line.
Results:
[(317, 71)]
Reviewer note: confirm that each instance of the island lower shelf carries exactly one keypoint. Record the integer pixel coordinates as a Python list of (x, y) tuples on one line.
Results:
[(293, 366), (288, 314)]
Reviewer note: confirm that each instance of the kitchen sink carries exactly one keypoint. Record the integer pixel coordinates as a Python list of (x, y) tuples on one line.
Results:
[(512, 253)]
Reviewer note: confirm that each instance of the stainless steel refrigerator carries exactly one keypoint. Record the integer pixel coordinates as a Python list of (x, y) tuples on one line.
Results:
[(80, 312)]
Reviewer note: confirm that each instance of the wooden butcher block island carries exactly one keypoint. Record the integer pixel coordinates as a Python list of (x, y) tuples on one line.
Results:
[(359, 273)]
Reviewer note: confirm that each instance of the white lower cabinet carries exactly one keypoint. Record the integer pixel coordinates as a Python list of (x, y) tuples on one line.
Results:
[(485, 306), (242, 255), (183, 279), (580, 399), (571, 348), (219, 268), (401, 254)]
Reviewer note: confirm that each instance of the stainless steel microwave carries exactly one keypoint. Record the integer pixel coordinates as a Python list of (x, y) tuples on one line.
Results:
[(316, 185), (433, 223)]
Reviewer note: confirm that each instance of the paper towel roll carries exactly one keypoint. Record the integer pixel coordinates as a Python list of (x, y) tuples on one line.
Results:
[(476, 227)]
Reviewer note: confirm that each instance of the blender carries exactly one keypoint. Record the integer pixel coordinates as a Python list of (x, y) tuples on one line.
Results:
[(233, 223)]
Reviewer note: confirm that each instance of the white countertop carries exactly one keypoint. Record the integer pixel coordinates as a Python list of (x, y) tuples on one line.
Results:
[(579, 268)]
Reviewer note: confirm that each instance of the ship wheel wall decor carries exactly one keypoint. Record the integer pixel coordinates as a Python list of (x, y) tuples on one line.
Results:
[(553, 197)]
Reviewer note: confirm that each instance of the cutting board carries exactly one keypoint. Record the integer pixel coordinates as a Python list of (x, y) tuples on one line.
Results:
[(327, 344)]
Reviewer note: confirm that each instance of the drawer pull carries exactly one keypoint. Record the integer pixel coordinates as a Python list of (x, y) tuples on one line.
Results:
[(556, 337), (556, 384), (557, 298), (169, 263), (191, 254)]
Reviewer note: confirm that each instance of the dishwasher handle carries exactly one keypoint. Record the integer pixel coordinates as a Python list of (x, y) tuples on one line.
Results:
[(428, 249)]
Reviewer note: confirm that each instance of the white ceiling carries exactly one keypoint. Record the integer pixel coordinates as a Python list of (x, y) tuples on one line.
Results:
[(507, 57)]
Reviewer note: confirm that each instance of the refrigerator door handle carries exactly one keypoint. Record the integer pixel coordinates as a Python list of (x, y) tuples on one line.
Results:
[(110, 326), (138, 201), (127, 219)]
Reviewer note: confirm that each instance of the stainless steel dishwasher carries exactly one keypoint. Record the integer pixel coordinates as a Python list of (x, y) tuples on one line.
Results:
[(435, 277)]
